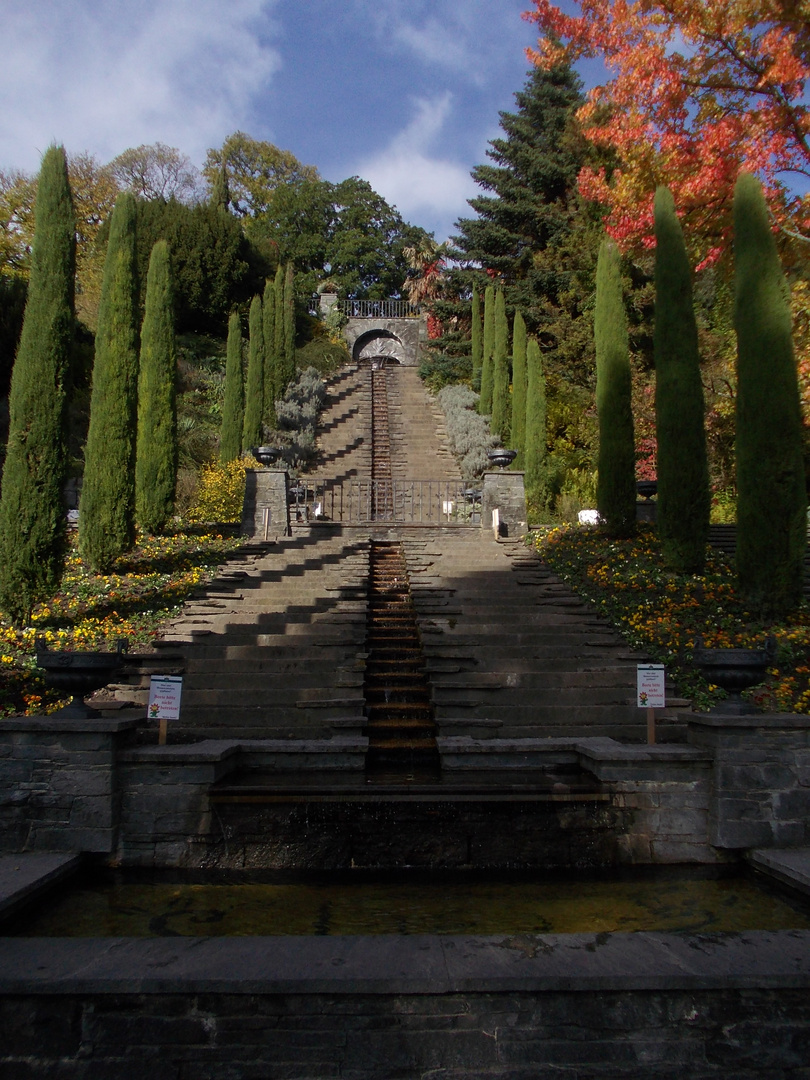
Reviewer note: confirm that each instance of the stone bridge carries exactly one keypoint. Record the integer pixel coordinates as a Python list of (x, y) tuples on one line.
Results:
[(393, 329)]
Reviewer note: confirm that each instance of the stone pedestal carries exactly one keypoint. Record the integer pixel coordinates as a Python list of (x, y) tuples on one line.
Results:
[(760, 792), (58, 789), (504, 491), (265, 512)]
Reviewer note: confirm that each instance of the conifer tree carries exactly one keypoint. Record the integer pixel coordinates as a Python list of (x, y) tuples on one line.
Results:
[(535, 444), (156, 447), (254, 390), (616, 482), (32, 517), (270, 360), (477, 343), (500, 371), (280, 382), (517, 439), (771, 498), (485, 400), (107, 506), (289, 325), (683, 472), (233, 407)]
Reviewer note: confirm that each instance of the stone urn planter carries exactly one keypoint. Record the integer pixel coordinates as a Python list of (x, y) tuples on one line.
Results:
[(734, 670), (265, 455), (79, 674), (501, 457)]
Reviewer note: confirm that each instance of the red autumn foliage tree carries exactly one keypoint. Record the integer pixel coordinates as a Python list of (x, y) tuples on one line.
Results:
[(700, 89)]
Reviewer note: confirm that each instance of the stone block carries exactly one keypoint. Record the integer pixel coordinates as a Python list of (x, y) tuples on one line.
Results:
[(795, 804), (740, 834)]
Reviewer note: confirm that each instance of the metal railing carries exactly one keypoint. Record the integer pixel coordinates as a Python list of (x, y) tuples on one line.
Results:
[(379, 309), (404, 502)]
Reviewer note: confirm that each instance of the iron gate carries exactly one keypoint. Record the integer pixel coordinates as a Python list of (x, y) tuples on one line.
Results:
[(404, 502)]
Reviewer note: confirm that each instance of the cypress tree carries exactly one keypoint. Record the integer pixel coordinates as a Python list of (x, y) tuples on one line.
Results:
[(233, 408), (476, 342), (683, 471), (500, 371), (616, 483), (771, 497), (32, 517), (270, 362), (535, 444), (107, 507), (254, 391), (289, 325), (485, 400), (517, 439), (280, 381), (156, 447)]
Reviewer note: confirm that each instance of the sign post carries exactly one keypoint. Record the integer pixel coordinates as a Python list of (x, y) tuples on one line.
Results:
[(651, 693), (164, 702)]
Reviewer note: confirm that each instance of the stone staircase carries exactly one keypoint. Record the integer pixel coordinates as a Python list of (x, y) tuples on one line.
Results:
[(277, 646)]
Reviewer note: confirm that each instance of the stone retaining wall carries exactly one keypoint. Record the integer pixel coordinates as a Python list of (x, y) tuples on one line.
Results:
[(570, 1007)]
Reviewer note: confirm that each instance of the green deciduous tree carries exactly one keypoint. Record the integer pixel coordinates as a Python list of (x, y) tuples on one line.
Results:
[(517, 439), (535, 445), (156, 448), (254, 390), (485, 400), (771, 503), (32, 520), (107, 507), (233, 407), (616, 484), (683, 472), (500, 371)]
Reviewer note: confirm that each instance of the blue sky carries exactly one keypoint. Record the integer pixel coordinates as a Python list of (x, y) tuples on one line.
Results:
[(404, 93)]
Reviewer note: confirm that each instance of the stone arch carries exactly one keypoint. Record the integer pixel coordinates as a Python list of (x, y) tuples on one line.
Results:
[(379, 343)]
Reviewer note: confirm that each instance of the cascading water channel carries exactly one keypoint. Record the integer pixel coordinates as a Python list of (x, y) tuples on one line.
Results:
[(400, 729), (382, 506)]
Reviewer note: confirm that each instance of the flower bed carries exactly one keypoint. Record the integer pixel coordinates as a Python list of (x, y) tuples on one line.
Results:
[(92, 611), (663, 613)]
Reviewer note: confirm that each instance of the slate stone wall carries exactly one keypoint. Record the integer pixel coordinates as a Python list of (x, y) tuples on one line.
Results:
[(761, 780), (504, 490), (58, 785), (658, 1035)]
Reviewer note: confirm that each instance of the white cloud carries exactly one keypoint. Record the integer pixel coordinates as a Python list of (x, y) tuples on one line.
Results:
[(102, 77), (424, 186)]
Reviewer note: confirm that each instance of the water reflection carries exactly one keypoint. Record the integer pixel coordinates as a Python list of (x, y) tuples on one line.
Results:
[(117, 905)]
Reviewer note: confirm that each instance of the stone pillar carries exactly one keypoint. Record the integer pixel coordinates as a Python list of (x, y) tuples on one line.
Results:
[(504, 491), (58, 789), (266, 512), (760, 791), (326, 302)]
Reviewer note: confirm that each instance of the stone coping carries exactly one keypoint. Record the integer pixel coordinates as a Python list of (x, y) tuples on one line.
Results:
[(31, 874), (788, 865), (747, 720), (425, 964), (93, 724), (214, 750)]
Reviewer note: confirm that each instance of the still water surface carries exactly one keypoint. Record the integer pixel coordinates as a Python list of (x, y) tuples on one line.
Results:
[(117, 905)]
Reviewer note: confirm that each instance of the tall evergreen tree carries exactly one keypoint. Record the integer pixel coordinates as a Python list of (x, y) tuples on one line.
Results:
[(254, 391), (32, 517), (771, 498), (500, 372), (517, 439), (233, 407), (270, 359), (485, 399), (156, 447), (535, 445), (529, 194), (107, 506), (477, 343), (683, 471), (280, 382), (289, 325), (616, 482)]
